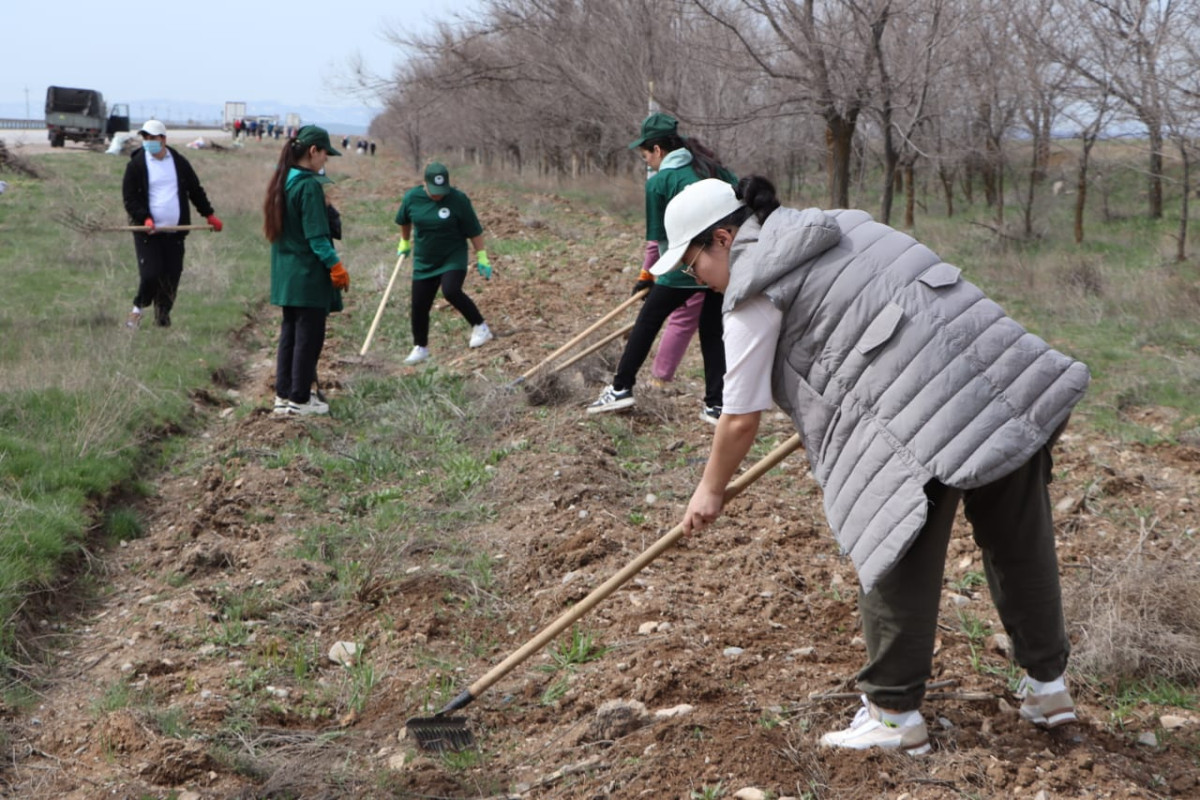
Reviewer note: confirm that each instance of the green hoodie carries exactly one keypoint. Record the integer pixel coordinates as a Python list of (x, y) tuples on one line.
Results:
[(673, 175)]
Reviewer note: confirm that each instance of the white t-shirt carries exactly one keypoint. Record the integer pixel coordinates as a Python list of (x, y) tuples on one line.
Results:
[(751, 336), (164, 190)]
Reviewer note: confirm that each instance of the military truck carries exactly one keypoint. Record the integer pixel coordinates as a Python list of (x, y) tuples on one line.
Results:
[(80, 115)]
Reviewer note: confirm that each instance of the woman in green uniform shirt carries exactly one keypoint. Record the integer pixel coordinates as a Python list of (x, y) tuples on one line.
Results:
[(306, 272), (678, 162), (444, 220)]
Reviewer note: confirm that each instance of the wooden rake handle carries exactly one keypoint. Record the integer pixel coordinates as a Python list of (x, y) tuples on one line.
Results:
[(582, 335), (621, 331), (158, 228), (602, 591), (382, 305)]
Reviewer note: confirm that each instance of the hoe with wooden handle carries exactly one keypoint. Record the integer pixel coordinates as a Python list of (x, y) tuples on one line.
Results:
[(382, 305), (441, 732)]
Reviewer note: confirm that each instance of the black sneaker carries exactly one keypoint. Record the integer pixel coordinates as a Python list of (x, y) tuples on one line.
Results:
[(612, 400), (711, 414)]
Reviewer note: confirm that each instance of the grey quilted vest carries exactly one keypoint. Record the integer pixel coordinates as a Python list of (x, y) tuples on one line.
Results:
[(894, 370)]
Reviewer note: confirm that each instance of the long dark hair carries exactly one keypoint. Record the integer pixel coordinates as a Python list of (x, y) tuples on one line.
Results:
[(704, 161), (758, 193), (274, 205)]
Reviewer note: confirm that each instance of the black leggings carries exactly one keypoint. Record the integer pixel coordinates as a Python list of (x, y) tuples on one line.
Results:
[(659, 304), (425, 290)]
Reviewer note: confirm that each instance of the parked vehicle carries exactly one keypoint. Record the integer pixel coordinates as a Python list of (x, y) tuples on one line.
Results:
[(80, 115), (233, 110)]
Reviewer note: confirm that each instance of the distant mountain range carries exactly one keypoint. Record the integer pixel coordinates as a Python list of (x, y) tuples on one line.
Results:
[(352, 120)]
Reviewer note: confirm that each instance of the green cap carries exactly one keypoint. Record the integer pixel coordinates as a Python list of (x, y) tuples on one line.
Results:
[(316, 135), (437, 179), (656, 126)]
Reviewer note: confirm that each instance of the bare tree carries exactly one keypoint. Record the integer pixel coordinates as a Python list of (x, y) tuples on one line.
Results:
[(916, 53), (563, 82), (1088, 107), (1124, 48), (1092, 115), (1181, 76), (1042, 82), (821, 55)]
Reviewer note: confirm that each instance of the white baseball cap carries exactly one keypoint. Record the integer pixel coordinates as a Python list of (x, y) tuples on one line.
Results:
[(689, 214), (153, 127)]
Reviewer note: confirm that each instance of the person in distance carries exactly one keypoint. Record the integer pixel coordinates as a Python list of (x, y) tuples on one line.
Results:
[(158, 185), (436, 221)]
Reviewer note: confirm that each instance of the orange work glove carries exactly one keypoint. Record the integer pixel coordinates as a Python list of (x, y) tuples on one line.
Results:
[(645, 281), (339, 276)]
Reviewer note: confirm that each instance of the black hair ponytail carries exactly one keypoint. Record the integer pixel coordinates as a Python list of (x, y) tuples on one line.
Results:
[(273, 203), (705, 162), (758, 193)]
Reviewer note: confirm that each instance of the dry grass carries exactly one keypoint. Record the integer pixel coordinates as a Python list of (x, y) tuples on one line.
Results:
[(1138, 618), (11, 162), (547, 389)]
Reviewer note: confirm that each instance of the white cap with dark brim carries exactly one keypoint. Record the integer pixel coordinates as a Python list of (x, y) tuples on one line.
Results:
[(689, 214)]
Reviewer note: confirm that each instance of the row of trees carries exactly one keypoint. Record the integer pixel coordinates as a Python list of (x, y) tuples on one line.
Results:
[(969, 93)]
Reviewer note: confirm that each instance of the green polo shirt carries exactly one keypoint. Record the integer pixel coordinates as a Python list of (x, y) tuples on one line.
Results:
[(662, 186), (440, 230)]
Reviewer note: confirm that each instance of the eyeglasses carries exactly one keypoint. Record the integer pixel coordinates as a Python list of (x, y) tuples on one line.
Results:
[(690, 269)]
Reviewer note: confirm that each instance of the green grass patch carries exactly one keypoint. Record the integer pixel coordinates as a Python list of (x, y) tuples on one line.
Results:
[(86, 403)]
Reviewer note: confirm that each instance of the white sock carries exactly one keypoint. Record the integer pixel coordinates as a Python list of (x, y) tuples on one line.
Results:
[(900, 719), (1059, 684), (136, 310)]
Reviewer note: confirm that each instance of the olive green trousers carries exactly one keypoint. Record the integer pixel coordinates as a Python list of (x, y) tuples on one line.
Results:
[(1012, 524)]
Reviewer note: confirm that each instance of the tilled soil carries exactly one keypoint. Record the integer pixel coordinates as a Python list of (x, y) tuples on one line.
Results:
[(726, 659)]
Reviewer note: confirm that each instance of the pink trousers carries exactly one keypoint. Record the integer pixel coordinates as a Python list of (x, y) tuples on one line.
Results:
[(678, 331)]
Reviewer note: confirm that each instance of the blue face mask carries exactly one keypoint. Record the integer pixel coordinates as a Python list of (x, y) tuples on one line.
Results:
[(152, 146)]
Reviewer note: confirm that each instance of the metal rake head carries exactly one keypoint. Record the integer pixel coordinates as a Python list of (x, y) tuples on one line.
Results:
[(77, 222), (440, 734)]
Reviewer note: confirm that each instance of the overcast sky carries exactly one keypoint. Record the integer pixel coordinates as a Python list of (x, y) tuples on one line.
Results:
[(294, 52)]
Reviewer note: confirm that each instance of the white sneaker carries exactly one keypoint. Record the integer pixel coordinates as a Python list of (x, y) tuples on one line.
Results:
[(1046, 705), (313, 406), (281, 405), (611, 400), (869, 730), (481, 334), (417, 355)]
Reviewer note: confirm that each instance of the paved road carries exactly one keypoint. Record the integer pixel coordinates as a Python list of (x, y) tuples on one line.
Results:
[(35, 140)]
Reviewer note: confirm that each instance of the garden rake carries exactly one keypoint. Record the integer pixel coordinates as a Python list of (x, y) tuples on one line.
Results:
[(580, 337), (441, 732), (78, 222)]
